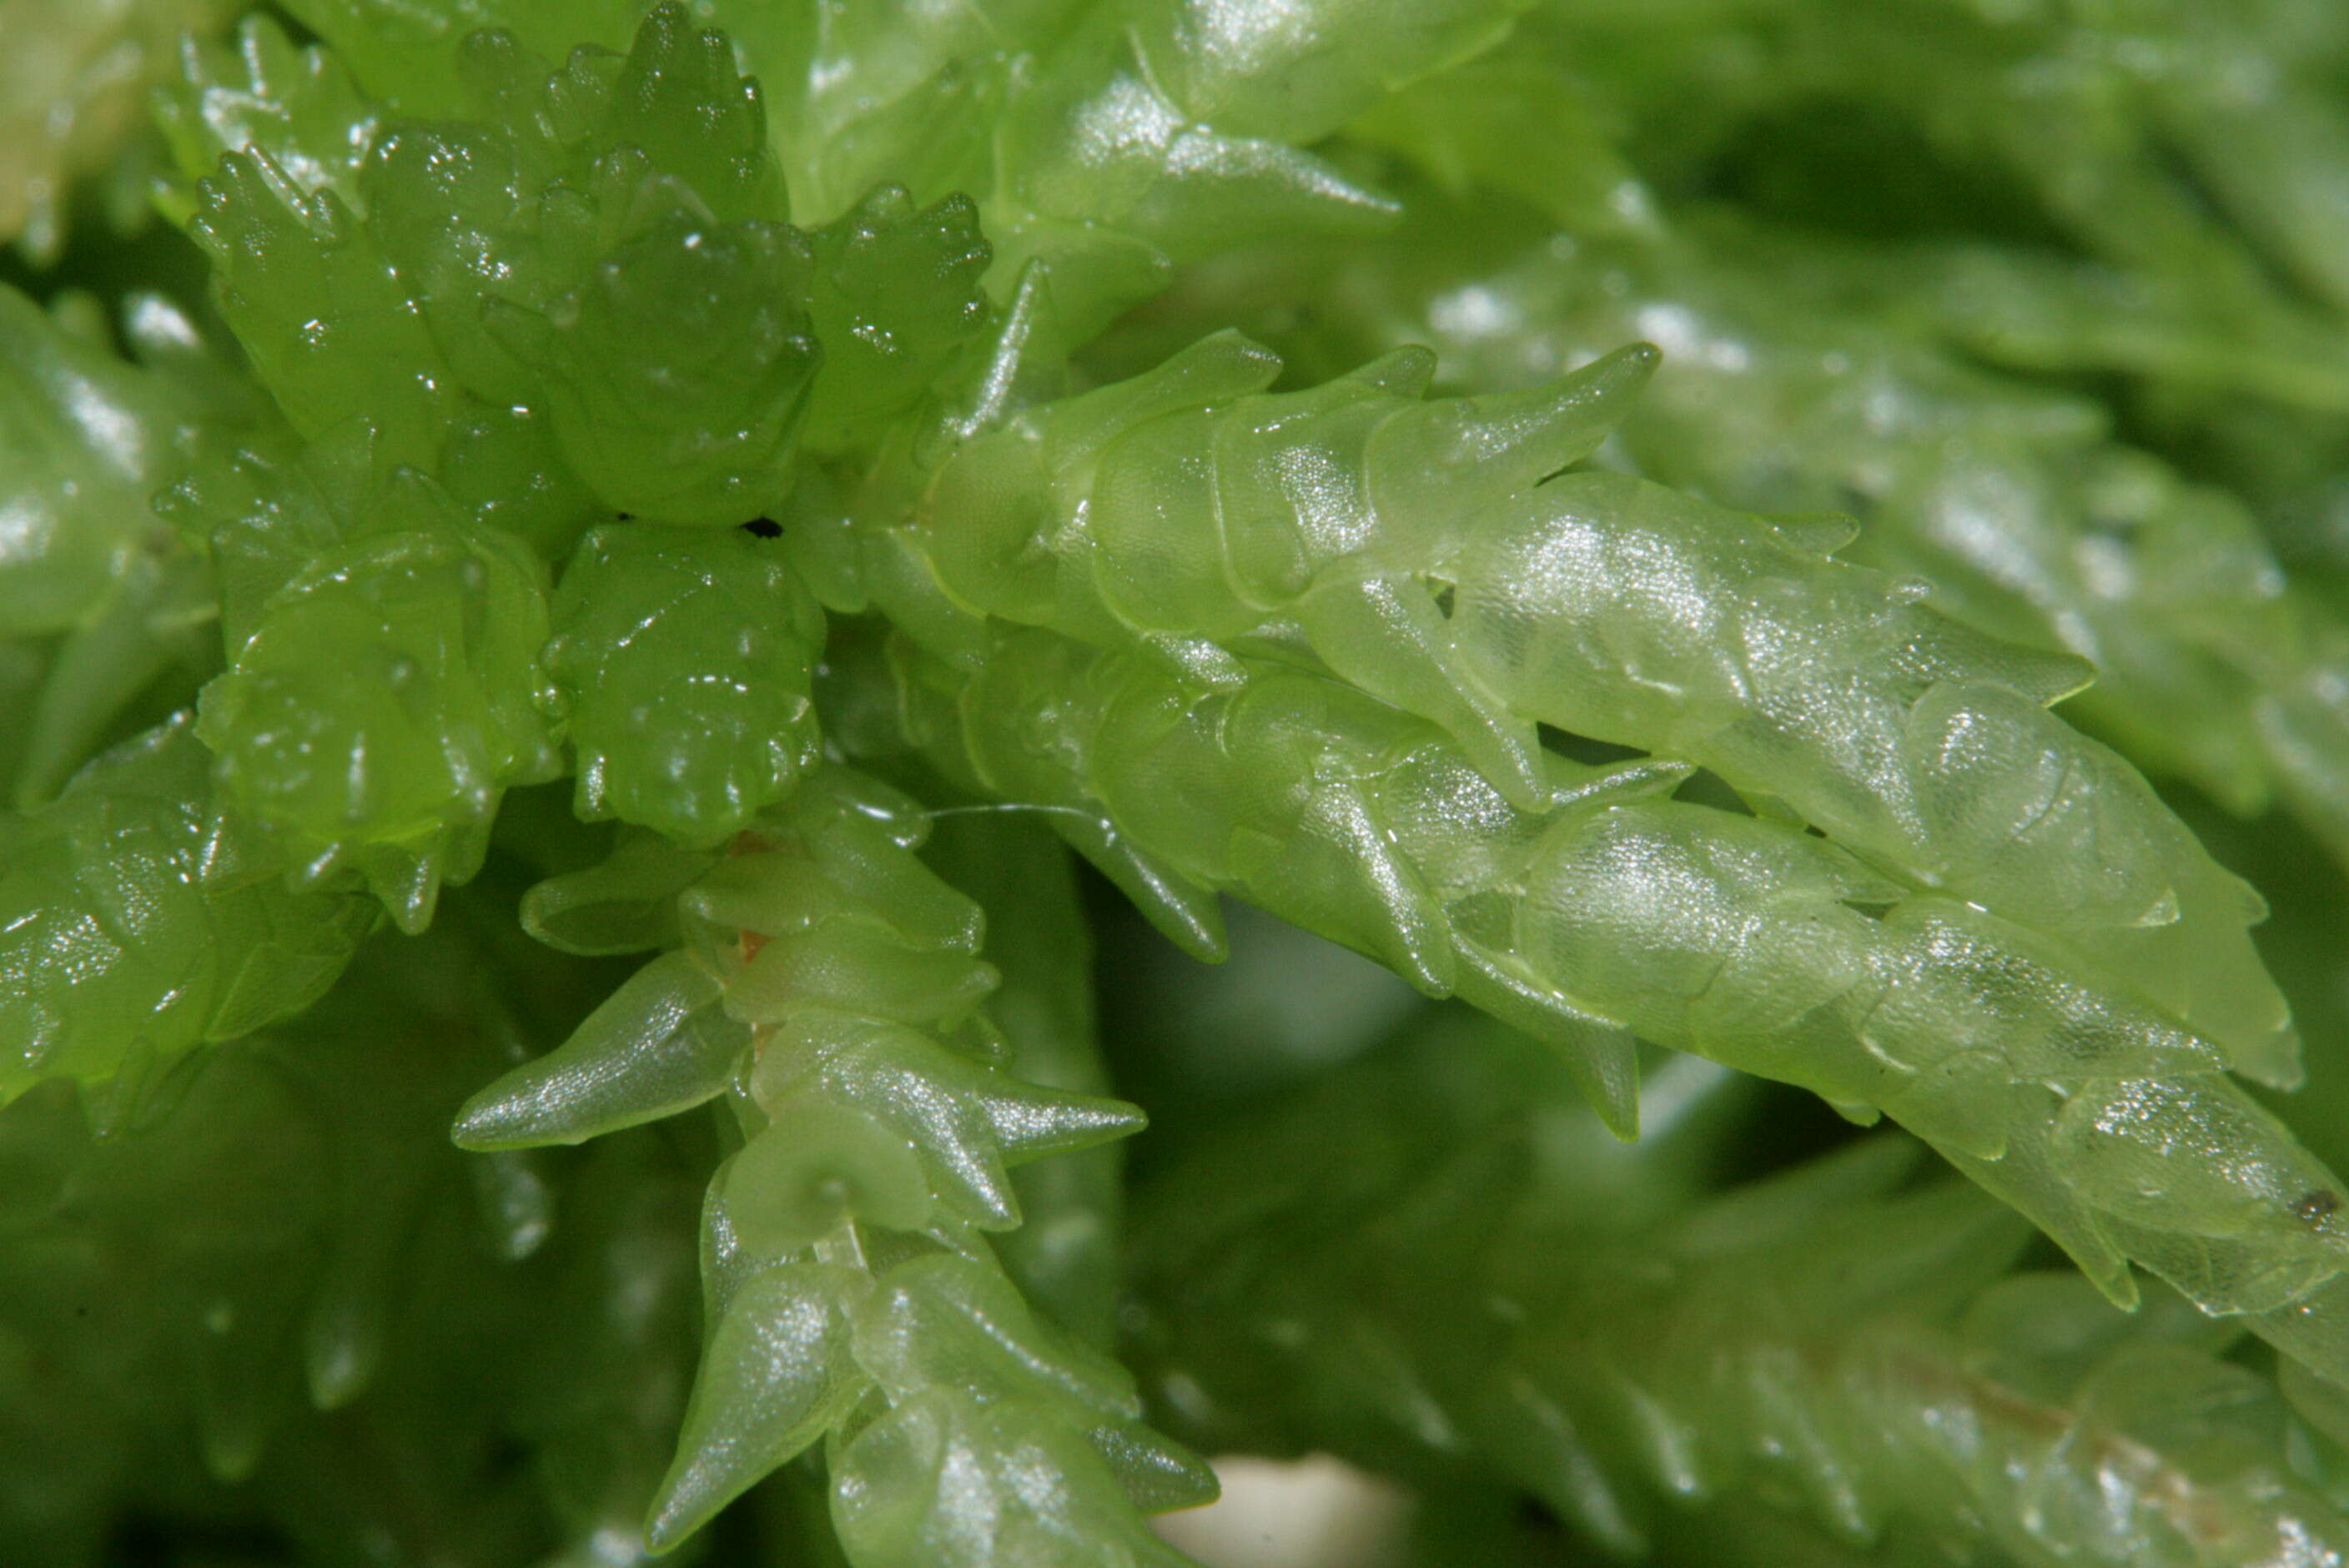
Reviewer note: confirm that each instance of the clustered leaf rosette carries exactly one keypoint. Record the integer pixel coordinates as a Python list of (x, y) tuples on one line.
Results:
[(382, 695), (762, 490)]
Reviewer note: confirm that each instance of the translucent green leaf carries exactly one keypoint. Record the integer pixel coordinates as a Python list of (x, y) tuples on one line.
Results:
[(385, 696), (644, 615), (132, 924), (262, 93), (677, 377), (315, 302), (776, 1375), (895, 296)]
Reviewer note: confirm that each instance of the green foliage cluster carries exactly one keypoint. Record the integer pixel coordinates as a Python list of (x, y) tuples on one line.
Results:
[(613, 616)]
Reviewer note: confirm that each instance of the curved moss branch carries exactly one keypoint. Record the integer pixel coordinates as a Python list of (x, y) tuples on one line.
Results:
[(1503, 1287)]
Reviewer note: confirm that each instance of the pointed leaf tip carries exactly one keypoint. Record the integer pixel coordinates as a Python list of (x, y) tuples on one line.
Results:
[(659, 1045)]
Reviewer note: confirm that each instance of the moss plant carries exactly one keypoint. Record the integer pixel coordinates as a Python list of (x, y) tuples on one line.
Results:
[(595, 723)]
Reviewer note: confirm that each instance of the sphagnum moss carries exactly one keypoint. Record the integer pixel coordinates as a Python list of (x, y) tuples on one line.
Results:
[(756, 485)]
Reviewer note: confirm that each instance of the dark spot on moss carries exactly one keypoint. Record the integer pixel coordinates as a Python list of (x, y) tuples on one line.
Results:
[(763, 528), (2314, 1206)]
